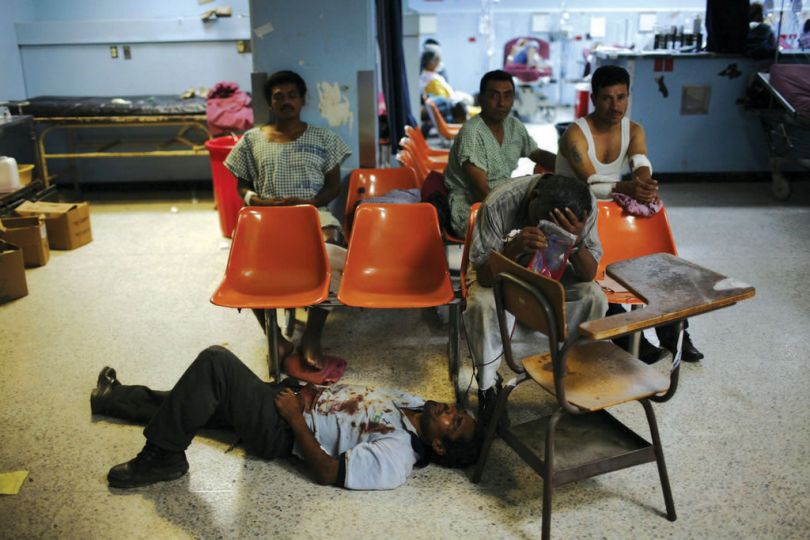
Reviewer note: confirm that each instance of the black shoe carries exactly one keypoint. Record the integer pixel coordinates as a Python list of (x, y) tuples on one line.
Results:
[(152, 464), (106, 382), (487, 401), (689, 352), (649, 353)]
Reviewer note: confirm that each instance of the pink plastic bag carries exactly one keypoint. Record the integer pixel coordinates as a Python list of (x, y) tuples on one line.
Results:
[(551, 261)]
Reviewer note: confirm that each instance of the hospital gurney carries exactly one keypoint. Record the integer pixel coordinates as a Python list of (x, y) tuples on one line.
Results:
[(185, 117), (531, 72), (786, 121)]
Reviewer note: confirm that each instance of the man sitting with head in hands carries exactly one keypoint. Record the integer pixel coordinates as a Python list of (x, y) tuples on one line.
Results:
[(508, 223)]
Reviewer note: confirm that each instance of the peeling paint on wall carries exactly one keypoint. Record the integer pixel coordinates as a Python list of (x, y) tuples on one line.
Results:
[(333, 105)]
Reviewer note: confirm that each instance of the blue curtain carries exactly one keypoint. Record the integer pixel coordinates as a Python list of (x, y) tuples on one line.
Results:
[(392, 58)]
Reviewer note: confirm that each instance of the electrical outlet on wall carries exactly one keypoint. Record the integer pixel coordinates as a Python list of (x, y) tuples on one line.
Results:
[(113, 51), (127, 53), (243, 46)]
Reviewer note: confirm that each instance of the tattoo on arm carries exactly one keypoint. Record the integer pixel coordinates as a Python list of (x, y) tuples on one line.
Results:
[(575, 156)]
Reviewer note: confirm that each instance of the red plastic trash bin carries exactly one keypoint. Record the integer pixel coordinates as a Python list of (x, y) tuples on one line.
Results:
[(581, 99), (225, 194)]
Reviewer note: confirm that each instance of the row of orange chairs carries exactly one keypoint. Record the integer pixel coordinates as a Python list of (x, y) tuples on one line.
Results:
[(254, 275), (417, 155), (446, 130), (395, 259)]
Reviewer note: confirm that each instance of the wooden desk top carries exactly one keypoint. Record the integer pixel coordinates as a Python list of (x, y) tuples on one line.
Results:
[(672, 288)]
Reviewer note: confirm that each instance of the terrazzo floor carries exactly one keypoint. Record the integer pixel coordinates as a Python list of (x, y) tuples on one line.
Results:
[(736, 435)]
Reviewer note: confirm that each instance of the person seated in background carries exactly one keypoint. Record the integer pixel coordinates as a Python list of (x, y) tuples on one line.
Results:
[(350, 436), (508, 223), (487, 149), (804, 39), (597, 149), (431, 44), (761, 41), (525, 52), (452, 104), (290, 162)]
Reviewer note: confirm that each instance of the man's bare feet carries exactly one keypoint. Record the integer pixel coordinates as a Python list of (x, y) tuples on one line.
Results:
[(311, 354)]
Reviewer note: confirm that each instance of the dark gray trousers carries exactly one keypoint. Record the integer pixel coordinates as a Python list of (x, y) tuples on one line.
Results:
[(216, 391)]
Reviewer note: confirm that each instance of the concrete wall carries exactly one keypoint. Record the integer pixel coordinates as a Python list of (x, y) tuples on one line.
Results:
[(327, 44), (12, 83)]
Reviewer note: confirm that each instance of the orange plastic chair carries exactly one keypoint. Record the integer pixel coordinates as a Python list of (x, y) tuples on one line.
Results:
[(432, 164), (626, 237), (447, 131), (416, 136), (277, 260), (465, 253), (368, 183), (396, 259), (408, 160)]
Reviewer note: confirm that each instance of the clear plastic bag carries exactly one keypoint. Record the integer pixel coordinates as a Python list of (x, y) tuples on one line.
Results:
[(551, 261)]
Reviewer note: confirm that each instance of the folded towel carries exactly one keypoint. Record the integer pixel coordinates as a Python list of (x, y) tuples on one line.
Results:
[(636, 208)]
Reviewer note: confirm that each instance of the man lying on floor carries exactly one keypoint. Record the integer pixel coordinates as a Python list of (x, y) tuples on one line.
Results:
[(350, 436)]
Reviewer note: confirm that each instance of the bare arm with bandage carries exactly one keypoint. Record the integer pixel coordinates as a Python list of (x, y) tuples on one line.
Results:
[(645, 188), (574, 148)]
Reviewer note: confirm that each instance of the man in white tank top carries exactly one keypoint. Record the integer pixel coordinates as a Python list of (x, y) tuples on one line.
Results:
[(598, 149)]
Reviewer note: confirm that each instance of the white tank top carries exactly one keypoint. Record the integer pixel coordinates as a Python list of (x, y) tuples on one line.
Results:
[(613, 169)]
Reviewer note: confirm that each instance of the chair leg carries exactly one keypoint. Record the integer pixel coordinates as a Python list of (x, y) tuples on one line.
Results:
[(548, 477), (271, 330), (453, 349), (635, 337), (489, 434), (659, 460), (290, 322)]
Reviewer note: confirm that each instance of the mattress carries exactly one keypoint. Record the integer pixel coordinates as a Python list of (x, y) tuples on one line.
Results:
[(162, 105)]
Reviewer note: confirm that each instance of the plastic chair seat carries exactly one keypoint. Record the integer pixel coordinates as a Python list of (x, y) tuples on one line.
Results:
[(270, 299), (600, 375), (416, 136), (396, 259), (277, 260), (368, 183), (624, 236), (446, 130)]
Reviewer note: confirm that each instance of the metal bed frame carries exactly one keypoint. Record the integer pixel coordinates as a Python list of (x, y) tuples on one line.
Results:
[(788, 136), (185, 125)]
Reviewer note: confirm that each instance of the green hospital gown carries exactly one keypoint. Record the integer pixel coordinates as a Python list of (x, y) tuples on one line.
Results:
[(476, 144)]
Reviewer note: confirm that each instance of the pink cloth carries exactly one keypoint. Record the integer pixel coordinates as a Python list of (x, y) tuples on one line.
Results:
[(635, 208), (228, 109)]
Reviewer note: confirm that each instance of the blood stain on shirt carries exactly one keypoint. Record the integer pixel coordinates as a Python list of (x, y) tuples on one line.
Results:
[(376, 427)]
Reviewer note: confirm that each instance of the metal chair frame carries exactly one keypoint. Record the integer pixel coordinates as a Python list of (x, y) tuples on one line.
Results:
[(545, 465)]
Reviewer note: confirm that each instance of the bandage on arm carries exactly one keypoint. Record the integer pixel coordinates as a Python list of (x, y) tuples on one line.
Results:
[(638, 161), (601, 185)]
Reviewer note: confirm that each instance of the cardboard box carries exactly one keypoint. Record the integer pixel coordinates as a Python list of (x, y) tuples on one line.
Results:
[(68, 224), (30, 234), (12, 273)]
